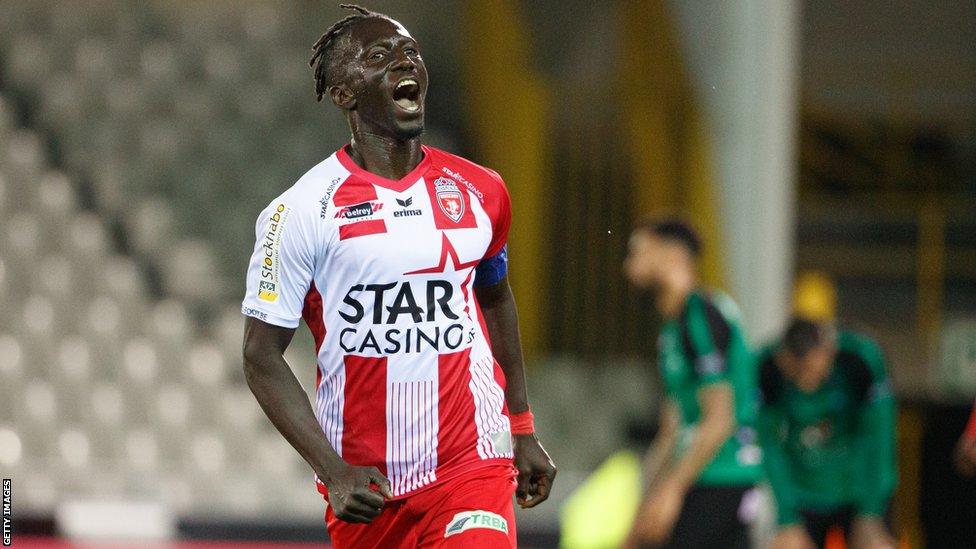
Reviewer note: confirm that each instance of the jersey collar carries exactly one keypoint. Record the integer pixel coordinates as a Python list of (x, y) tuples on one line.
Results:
[(396, 185)]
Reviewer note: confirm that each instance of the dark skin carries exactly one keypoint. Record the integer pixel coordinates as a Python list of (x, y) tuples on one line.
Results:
[(385, 141)]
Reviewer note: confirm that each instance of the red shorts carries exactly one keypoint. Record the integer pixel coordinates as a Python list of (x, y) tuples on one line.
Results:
[(472, 510)]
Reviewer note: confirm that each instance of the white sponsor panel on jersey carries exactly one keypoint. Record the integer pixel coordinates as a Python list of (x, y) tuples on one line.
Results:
[(271, 264)]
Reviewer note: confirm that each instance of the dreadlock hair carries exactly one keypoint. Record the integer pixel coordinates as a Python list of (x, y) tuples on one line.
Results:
[(323, 62)]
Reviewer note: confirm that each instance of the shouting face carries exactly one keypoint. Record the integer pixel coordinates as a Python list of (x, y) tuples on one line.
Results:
[(385, 79)]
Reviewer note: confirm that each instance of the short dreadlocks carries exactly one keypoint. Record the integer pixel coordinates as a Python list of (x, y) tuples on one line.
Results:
[(324, 61)]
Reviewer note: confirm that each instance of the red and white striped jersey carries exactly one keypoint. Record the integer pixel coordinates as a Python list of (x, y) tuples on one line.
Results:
[(382, 271)]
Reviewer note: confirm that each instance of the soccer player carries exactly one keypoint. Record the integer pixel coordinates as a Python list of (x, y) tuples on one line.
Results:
[(394, 253), (827, 428), (704, 462)]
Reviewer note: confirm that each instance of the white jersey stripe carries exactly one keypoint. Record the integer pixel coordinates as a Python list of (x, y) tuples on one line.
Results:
[(488, 401), (330, 401), (412, 421)]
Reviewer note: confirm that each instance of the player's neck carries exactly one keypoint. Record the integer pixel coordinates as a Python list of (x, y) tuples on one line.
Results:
[(674, 294), (385, 156)]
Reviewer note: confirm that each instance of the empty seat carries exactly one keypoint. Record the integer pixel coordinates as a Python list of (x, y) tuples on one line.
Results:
[(22, 237), (3, 186), (140, 361), (207, 453), (150, 225), (239, 412), (207, 368), (6, 117), (24, 155), (74, 360), (107, 408), (93, 59), (102, 321), (141, 450), (172, 406), (190, 271), (37, 317), (11, 357), (55, 276), (74, 448), (28, 60), (170, 323), (122, 279), (88, 240), (39, 404), (56, 196), (11, 449)]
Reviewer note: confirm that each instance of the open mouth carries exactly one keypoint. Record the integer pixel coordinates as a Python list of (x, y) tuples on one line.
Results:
[(406, 95)]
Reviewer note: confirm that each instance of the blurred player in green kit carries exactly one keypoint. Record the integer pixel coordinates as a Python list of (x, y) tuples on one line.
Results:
[(827, 428), (705, 459)]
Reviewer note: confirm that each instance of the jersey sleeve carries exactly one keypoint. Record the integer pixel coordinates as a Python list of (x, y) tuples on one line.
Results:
[(770, 427), (706, 335), (280, 270), (876, 453), (777, 463), (498, 205)]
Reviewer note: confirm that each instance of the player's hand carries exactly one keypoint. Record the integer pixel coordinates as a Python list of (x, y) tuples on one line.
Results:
[(357, 494), (536, 471), (965, 456), (660, 511), (792, 537), (871, 533)]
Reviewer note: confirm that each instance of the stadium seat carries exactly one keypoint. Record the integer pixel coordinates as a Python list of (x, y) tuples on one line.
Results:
[(56, 277), (11, 449), (11, 357), (74, 361), (107, 406), (74, 449), (141, 450), (39, 404), (141, 362)]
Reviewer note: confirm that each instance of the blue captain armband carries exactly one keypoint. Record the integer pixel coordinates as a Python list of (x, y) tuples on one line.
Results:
[(492, 269)]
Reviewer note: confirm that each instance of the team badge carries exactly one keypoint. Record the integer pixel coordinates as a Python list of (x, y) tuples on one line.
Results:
[(449, 198)]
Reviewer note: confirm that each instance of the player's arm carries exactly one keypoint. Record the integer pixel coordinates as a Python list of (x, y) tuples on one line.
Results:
[(661, 450), (707, 336), (536, 470), (876, 438), (284, 401), (535, 467), (278, 278), (777, 464), (717, 403)]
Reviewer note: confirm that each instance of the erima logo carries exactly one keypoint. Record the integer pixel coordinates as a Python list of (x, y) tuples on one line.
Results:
[(469, 520), (365, 209), (406, 203)]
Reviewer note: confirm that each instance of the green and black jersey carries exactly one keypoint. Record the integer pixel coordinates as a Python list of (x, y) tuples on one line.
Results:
[(705, 345), (833, 448)]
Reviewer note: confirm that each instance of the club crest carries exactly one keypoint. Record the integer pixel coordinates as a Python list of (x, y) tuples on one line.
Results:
[(449, 198)]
